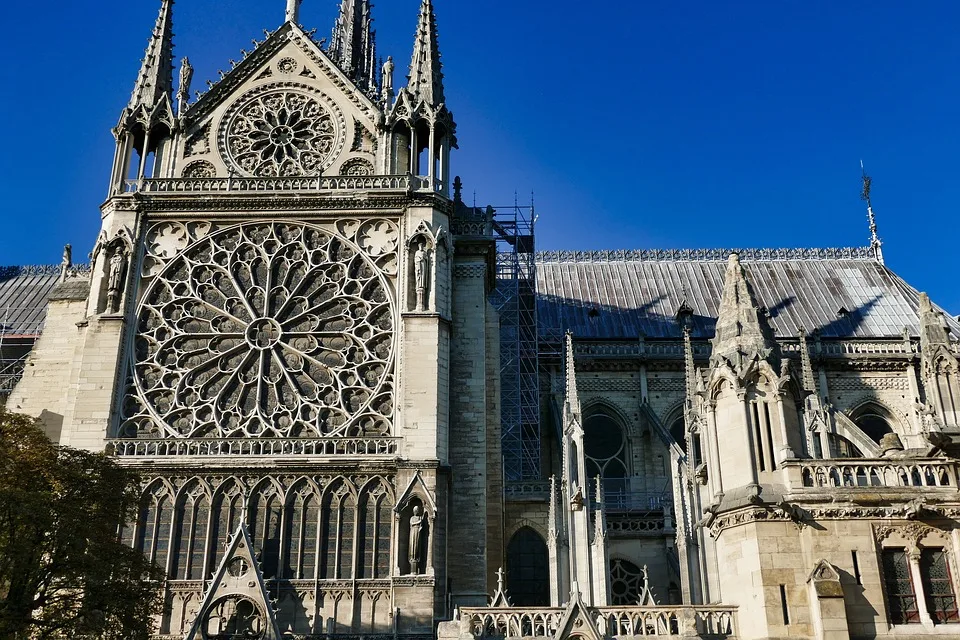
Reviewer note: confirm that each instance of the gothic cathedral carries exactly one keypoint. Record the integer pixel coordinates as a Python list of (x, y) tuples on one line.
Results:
[(365, 409)]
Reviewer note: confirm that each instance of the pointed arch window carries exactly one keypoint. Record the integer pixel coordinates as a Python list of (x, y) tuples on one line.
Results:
[(605, 450), (337, 533), (227, 513), (527, 578), (678, 429), (302, 524), (376, 517), (874, 420), (153, 529), (265, 509), (193, 517)]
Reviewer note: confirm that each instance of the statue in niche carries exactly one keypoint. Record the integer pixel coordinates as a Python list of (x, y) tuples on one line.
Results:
[(420, 268), (115, 280), (415, 542)]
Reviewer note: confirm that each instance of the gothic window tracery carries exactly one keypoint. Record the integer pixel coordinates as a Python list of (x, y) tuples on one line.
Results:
[(193, 515), (874, 420), (605, 450), (302, 519), (284, 130), (265, 330), (264, 520), (626, 582), (375, 533), (153, 527), (337, 531), (227, 513)]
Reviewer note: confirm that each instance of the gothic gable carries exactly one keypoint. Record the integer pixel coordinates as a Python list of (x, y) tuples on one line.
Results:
[(284, 110)]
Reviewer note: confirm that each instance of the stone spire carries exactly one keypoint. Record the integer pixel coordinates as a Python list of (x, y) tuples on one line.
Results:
[(353, 44), (572, 397), (739, 336), (426, 76), (876, 246), (155, 80)]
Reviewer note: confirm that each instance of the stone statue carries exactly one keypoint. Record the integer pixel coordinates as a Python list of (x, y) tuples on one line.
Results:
[(186, 77), (415, 542), (387, 79), (115, 281), (420, 274), (66, 263)]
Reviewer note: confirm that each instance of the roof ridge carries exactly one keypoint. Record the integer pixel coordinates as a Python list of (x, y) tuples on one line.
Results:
[(40, 270), (700, 255)]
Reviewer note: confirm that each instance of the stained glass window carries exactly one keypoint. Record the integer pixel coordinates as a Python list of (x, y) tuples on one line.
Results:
[(938, 586), (901, 597)]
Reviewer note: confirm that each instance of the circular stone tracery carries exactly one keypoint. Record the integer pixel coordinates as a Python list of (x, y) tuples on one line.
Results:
[(287, 130), (265, 330)]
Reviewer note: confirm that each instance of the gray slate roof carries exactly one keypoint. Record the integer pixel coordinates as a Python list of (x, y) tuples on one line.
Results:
[(626, 294), (23, 298)]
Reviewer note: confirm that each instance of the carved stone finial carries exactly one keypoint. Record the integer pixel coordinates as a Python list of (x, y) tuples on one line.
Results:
[(457, 189), (66, 263)]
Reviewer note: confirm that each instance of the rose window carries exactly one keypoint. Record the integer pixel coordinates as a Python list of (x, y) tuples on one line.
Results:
[(283, 132), (265, 330)]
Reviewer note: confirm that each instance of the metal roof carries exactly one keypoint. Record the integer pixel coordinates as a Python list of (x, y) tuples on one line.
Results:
[(23, 298), (843, 293)]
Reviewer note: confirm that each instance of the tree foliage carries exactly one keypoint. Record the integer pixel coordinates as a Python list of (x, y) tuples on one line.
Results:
[(63, 571)]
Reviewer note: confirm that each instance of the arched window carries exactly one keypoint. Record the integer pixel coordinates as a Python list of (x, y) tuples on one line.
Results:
[(153, 527), (336, 534), (193, 515), (376, 511), (265, 507), (874, 420), (605, 450), (302, 521), (227, 513), (626, 582), (528, 580)]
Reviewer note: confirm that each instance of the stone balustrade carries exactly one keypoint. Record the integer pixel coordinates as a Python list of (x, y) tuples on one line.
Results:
[(160, 186), (204, 447), (527, 491), (885, 473), (707, 622)]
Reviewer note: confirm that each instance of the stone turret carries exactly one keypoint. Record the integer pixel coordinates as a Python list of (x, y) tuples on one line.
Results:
[(147, 122), (940, 371)]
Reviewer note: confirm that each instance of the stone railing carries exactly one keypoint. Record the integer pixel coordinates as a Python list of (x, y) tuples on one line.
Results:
[(873, 474), (278, 185), (708, 622), (527, 491), (867, 348), (156, 448)]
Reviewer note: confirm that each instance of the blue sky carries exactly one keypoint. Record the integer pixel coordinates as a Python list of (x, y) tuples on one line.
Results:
[(636, 124)]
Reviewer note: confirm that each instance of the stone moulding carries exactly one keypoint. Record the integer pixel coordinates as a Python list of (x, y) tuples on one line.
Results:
[(700, 255), (43, 270), (223, 447)]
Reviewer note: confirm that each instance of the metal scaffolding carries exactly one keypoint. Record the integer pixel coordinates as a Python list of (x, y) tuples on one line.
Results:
[(515, 298)]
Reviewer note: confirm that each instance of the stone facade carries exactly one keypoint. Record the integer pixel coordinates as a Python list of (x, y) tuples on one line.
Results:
[(288, 327)]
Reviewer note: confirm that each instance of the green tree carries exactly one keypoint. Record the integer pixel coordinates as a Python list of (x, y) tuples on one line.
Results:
[(63, 571)]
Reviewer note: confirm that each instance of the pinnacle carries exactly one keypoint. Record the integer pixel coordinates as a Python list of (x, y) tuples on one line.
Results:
[(426, 74), (155, 80), (739, 332)]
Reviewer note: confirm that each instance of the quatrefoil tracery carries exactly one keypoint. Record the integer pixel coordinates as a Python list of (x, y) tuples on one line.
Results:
[(265, 330)]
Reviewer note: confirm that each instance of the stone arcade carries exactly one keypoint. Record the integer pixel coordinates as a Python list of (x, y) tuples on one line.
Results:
[(294, 327)]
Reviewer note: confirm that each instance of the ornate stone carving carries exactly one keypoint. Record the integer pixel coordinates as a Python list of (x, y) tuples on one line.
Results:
[(265, 330), (200, 169), (665, 255), (288, 66), (115, 278), (198, 143), (357, 167), (282, 130)]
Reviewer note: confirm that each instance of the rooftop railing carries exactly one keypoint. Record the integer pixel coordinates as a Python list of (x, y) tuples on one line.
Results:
[(162, 448)]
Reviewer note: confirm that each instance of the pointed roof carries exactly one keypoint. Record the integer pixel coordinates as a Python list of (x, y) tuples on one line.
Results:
[(426, 76), (739, 332), (237, 595), (155, 80), (353, 44)]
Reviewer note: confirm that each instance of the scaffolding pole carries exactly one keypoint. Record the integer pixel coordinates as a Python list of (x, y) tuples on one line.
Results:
[(515, 298)]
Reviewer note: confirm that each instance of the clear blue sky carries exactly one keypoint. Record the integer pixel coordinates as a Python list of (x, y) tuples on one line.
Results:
[(637, 124)]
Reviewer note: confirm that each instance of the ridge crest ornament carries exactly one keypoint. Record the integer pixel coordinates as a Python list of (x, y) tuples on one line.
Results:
[(282, 130), (265, 330)]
